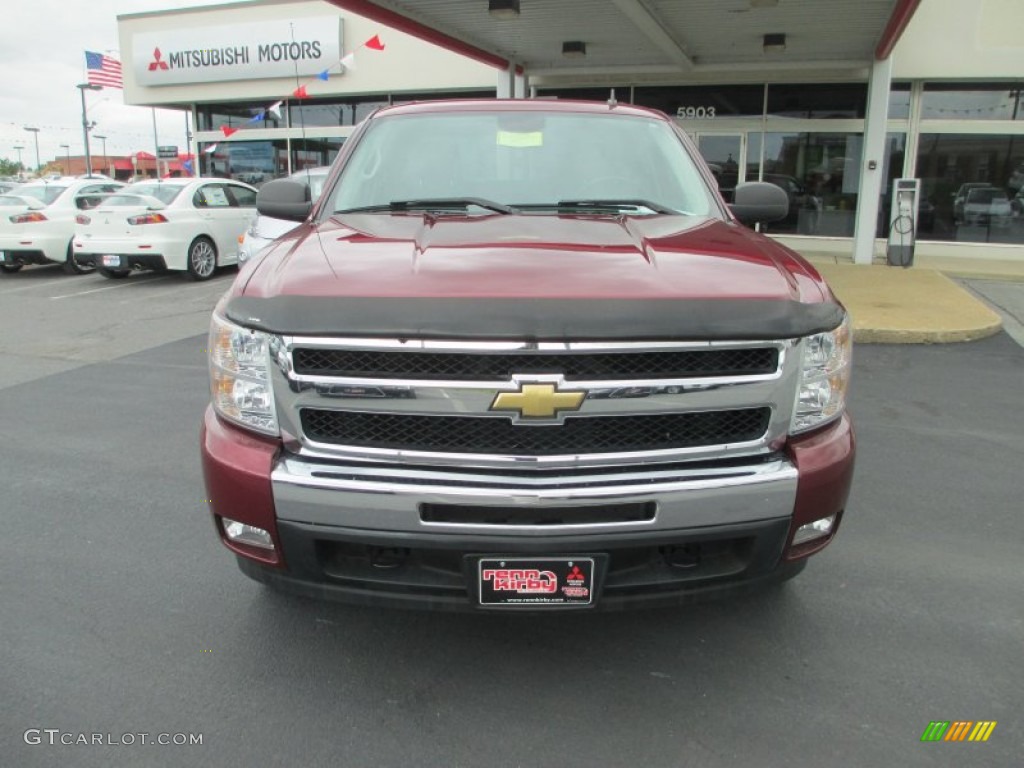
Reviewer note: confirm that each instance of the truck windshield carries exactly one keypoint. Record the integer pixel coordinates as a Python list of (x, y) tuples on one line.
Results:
[(531, 161)]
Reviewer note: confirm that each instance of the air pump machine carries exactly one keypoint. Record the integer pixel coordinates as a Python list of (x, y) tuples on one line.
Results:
[(899, 251)]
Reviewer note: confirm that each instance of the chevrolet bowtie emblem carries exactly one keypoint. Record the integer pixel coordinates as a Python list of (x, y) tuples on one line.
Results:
[(538, 401)]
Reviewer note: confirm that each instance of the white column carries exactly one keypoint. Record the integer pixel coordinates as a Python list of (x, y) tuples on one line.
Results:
[(522, 90), (871, 180), (506, 82)]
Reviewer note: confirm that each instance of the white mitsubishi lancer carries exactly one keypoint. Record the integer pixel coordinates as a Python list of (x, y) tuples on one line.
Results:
[(187, 224), (37, 221)]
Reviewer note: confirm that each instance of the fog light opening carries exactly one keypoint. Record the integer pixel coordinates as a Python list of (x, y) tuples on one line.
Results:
[(243, 533), (814, 530)]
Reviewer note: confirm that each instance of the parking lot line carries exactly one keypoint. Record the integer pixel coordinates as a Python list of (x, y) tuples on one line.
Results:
[(184, 290), (47, 285), (105, 288)]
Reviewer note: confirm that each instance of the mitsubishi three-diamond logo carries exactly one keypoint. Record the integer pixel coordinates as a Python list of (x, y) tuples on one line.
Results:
[(158, 61)]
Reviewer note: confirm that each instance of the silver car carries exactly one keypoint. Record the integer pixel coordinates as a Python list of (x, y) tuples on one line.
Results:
[(265, 230)]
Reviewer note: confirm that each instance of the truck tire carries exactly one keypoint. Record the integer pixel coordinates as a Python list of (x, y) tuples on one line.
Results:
[(10, 268), (202, 259), (71, 265)]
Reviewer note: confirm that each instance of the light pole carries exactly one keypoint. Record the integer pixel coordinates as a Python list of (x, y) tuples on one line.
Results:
[(83, 87), (35, 133), (21, 168), (106, 163), (67, 153)]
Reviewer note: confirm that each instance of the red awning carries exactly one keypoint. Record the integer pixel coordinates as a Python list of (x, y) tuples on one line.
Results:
[(122, 165), (145, 156)]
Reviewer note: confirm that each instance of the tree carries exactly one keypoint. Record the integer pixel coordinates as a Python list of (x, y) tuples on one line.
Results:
[(9, 167)]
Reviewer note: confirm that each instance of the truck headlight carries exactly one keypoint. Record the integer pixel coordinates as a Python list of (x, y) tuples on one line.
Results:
[(240, 386), (824, 379)]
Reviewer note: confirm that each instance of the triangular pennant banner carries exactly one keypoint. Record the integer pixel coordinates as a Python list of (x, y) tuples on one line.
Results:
[(323, 75), (187, 165), (257, 117), (349, 61), (210, 149), (227, 130), (374, 43), (300, 92), (275, 109)]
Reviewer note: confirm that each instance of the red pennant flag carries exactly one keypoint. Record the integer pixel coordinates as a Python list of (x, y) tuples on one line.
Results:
[(300, 92), (374, 43), (227, 131)]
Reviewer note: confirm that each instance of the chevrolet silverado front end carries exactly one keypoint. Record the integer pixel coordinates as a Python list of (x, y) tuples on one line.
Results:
[(473, 380)]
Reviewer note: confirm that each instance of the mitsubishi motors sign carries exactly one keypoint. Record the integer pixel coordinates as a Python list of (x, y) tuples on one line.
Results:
[(253, 51)]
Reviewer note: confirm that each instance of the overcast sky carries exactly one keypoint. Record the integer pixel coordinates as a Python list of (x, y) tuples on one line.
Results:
[(42, 56)]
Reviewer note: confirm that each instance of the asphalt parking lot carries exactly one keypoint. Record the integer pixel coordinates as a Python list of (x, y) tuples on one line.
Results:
[(120, 613)]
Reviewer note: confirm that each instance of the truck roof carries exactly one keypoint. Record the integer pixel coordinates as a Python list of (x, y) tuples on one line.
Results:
[(518, 105)]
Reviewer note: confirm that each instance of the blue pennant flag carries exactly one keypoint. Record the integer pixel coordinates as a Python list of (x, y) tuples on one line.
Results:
[(257, 117), (323, 75), (189, 168)]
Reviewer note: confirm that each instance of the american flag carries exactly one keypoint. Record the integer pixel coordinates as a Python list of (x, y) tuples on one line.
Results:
[(103, 70)]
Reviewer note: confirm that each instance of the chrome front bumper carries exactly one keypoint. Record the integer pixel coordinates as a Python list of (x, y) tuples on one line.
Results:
[(389, 498)]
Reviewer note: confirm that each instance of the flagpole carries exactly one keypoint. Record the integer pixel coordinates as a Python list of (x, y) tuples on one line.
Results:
[(156, 146), (82, 88), (188, 147)]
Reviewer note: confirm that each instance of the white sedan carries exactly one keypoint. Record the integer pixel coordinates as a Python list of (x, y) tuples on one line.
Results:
[(37, 221), (186, 224)]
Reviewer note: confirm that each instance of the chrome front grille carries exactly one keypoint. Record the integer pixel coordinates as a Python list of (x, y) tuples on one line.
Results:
[(496, 435), (434, 403), (502, 366)]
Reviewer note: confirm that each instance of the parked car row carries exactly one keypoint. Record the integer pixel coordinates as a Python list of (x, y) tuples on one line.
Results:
[(186, 224), (191, 225)]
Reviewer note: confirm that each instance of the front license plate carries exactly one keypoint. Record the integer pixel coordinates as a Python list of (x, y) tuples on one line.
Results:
[(536, 581), (111, 261)]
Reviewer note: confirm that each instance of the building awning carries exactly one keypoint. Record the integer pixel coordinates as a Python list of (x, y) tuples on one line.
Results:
[(638, 38), (122, 165)]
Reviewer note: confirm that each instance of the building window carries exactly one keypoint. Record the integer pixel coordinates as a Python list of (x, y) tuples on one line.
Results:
[(311, 113), (817, 101), (584, 94), (899, 101), (819, 172), (252, 162), (213, 116), (977, 101), (892, 169), (974, 184), (405, 98), (312, 153)]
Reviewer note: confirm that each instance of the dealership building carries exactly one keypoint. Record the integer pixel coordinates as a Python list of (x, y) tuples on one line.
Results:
[(832, 100)]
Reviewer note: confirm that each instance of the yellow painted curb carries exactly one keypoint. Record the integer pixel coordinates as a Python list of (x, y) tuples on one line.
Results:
[(889, 305)]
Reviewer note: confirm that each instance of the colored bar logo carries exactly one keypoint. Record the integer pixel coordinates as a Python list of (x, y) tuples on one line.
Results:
[(958, 730)]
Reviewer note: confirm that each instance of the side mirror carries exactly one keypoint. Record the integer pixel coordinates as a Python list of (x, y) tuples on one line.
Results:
[(284, 199), (760, 201)]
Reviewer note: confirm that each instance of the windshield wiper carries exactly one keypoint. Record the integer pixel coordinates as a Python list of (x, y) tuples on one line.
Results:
[(602, 206), (433, 204)]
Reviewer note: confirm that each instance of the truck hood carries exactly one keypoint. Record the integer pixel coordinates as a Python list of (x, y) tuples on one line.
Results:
[(524, 264)]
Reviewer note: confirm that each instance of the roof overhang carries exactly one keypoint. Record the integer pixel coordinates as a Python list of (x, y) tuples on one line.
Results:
[(698, 38)]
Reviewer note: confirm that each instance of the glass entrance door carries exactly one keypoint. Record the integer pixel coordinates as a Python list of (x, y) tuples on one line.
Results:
[(725, 154)]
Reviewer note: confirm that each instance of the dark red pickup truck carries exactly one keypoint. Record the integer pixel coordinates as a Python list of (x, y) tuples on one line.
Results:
[(521, 355)]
